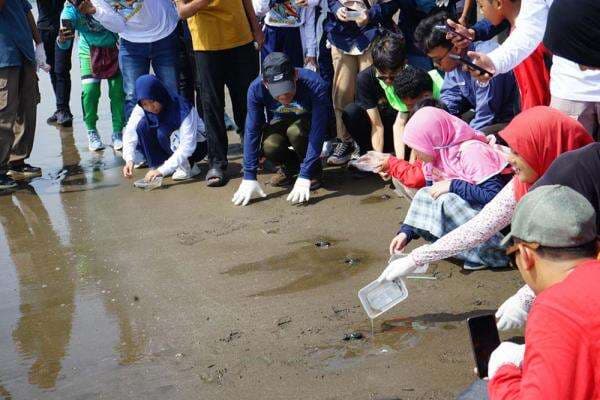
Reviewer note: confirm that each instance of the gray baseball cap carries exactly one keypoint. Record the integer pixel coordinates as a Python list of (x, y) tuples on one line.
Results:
[(278, 72), (554, 216)]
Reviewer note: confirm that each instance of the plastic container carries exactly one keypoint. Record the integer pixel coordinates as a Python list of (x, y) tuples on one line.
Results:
[(378, 297), (148, 185)]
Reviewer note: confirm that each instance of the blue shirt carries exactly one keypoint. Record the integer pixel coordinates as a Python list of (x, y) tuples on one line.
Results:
[(311, 101), (493, 104), (16, 40)]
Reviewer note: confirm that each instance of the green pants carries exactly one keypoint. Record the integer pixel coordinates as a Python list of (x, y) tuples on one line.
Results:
[(279, 136), (90, 96)]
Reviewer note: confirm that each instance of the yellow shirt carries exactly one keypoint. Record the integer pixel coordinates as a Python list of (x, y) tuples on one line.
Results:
[(221, 25)]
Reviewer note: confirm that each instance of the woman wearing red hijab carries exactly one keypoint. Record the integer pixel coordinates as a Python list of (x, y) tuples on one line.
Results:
[(536, 137)]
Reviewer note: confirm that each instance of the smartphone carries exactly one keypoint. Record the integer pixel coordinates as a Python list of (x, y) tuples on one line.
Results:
[(485, 339), (352, 15), (67, 24), (469, 64), (448, 29)]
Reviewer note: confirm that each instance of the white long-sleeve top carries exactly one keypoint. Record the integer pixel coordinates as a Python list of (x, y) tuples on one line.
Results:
[(569, 82), (183, 140), (305, 21), (527, 34), (144, 21)]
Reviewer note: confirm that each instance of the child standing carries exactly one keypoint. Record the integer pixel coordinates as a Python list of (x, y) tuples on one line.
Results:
[(290, 29), (98, 59)]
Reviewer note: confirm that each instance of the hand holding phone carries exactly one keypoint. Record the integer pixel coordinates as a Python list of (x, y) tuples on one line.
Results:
[(470, 64), (484, 339)]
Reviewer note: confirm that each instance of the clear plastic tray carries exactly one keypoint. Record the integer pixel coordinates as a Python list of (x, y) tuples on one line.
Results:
[(378, 297), (148, 185)]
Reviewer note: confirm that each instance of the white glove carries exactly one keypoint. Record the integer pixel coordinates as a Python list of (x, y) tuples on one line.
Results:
[(513, 312), (506, 353), (301, 191), (401, 267), (249, 189), (40, 58)]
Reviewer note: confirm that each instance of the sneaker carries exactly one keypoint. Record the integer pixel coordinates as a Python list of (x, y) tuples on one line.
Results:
[(182, 174), (282, 178), (24, 171), (94, 141), (117, 141), (64, 118), (341, 154), (470, 266), (6, 182), (230, 123), (53, 118), (139, 160)]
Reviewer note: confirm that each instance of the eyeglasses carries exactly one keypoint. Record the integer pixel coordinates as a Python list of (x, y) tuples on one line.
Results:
[(512, 250)]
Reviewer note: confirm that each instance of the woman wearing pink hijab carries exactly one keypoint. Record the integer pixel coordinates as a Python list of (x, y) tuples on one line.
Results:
[(463, 173)]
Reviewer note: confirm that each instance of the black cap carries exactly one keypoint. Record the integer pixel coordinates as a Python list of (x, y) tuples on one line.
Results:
[(278, 72)]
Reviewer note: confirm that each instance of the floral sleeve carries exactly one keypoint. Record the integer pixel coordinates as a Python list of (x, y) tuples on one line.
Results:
[(496, 215)]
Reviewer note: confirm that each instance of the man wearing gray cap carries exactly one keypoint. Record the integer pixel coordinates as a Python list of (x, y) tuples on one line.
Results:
[(287, 117), (553, 241)]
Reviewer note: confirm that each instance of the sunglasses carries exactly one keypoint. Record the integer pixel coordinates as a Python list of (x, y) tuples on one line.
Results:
[(511, 251)]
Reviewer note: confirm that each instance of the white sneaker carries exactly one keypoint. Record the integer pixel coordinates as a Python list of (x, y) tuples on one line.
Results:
[(139, 161), (182, 174)]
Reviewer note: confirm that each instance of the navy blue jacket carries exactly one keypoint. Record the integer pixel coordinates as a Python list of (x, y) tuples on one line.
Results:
[(311, 101)]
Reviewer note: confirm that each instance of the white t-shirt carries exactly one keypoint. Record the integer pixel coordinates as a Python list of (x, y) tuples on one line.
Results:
[(569, 82), (140, 21)]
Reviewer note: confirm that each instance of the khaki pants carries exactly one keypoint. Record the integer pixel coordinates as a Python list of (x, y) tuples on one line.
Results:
[(587, 113), (19, 97), (345, 69)]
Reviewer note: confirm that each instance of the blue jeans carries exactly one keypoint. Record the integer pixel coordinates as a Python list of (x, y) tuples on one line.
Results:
[(477, 391), (135, 60)]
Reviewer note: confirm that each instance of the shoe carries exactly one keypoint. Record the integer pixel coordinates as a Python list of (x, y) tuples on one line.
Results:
[(282, 178), (94, 141), (341, 154), (230, 123), (182, 174), (117, 141), (21, 171), (469, 266), (53, 118), (6, 182), (139, 160), (64, 118), (317, 177)]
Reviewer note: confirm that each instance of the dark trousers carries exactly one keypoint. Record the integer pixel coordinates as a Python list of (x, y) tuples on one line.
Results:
[(60, 68), (285, 40), (325, 61), (236, 68), (279, 136), (358, 126), (156, 145)]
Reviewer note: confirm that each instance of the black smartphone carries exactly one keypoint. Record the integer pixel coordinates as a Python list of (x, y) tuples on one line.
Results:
[(448, 29), (469, 64), (485, 339), (67, 24)]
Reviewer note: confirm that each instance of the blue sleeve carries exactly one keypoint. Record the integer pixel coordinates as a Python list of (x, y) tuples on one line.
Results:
[(477, 195), (318, 126), (334, 6), (381, 12), (484, 30), (255, 119), (409, 231), (488, 101), (451, 95)]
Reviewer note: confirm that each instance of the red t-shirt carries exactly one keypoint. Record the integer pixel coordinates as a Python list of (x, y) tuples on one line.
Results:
[(411, 175), (562, 342), (533, 79)]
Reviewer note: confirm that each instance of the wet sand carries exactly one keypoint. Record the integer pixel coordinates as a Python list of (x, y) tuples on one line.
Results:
[(110, 292)]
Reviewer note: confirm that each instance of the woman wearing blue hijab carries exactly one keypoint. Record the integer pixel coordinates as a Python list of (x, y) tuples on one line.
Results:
[(166, 129)]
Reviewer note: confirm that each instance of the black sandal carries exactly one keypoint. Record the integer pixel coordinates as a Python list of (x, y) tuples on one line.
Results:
[(215, 178)]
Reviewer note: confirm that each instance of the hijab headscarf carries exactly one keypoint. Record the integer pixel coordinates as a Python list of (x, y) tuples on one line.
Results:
[(573, 31), (174, 107), (435, 132), (580, 170), (539, 135)]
